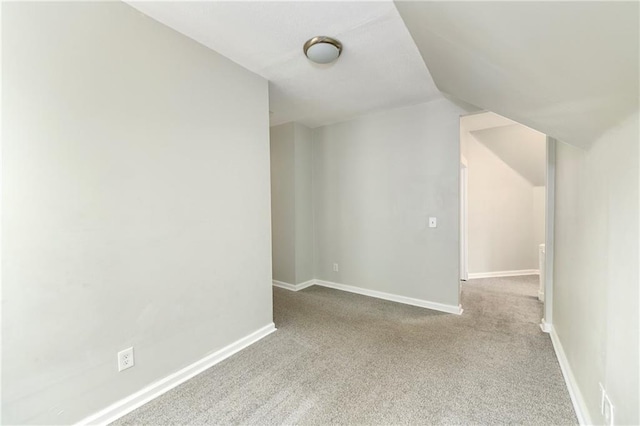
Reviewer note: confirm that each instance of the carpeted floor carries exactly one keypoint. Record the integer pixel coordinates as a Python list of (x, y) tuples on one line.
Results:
[(342, 358)]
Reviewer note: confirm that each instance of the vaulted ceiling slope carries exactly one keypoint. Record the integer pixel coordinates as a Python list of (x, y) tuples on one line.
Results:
[(380, 66), (568, 69), (521, 148)]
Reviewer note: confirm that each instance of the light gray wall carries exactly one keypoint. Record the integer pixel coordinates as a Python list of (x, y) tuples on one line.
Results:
[(303, 203), (135, 184), (291, 203), (500, 214), (376, 180), (596, 278), (283, 204)]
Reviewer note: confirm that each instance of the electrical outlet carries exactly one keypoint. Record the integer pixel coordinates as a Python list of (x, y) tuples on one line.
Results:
[(125, 359), (336, 268), (433, 222)]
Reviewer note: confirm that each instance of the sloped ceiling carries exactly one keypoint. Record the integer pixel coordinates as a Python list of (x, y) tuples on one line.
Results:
[(380, 66), (567, 69), (483, 120), (521, 148)]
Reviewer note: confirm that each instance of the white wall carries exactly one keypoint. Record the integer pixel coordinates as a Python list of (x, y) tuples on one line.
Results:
[(500, 214), (135, 181), (291, 204), (521, 148), (595, 311), (376, 180)]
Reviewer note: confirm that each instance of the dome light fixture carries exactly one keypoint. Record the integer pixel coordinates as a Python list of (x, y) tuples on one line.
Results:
[(322, 49)]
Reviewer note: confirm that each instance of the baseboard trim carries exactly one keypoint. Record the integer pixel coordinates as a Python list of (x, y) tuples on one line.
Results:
[(497, 274), (293, 287), (544, 326), (541, 296), (572, 386), (154, 390), (451, 309)]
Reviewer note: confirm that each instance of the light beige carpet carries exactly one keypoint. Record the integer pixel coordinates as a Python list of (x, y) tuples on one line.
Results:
[(341, 358)]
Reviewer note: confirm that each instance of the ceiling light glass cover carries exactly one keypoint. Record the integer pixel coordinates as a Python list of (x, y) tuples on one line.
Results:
[(322, 50)]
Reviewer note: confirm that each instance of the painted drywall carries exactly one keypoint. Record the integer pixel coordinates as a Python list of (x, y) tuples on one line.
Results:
[(135, 210), (595, 311), (268, 37), (291, 203), (480, 120), (376, 181), (303, 203), (283, 243), (526, 60), (520, 147), (475, 121), (500, 214)]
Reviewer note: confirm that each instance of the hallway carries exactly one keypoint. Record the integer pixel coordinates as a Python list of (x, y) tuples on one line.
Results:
[(342, 358)]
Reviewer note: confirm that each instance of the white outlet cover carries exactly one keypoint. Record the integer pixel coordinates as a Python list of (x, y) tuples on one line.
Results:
[(433, 222), (125, 359)]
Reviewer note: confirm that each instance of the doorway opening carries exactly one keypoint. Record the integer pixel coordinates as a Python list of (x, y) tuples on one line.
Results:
[(506, 209)]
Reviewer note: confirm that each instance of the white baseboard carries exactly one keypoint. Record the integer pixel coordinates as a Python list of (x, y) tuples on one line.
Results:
[(574, 391), (497, 274), (154, 390), (544, 326), (294, 287), (452, 309)]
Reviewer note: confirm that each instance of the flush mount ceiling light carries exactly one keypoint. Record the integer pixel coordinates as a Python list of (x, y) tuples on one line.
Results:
[(322, 50)]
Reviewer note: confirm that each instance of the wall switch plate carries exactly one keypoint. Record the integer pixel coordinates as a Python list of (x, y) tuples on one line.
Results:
[(125, 359), (433, 223), (335, 267)]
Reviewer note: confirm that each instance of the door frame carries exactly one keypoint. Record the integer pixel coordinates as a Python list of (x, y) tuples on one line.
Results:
[(464, 241), (546, 323)]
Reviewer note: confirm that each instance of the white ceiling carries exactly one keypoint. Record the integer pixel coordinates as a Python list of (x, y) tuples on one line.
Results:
[(483, 120), (568, 69), (380, 66)]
